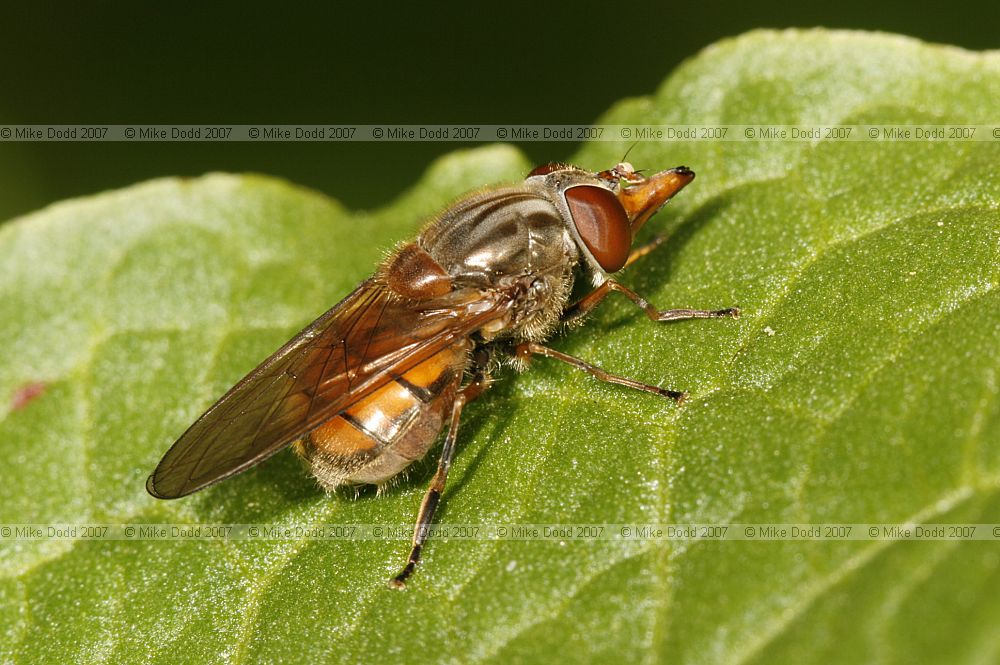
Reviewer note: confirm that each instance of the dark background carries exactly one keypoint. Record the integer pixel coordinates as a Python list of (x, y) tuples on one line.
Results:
[(555, 62)]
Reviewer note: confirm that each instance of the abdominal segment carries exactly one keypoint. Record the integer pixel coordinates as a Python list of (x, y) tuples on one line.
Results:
[(384, 432)]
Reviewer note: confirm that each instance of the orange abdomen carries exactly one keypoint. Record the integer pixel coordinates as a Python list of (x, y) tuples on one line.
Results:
[(384, 432)]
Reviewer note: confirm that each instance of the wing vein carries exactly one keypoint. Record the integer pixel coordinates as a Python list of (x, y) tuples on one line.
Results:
[(281, 400)]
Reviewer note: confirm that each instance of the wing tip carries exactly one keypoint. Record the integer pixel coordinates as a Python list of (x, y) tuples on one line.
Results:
[(151, 488)]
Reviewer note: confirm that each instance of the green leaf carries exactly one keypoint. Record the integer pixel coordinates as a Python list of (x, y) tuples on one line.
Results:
[(860, 385)]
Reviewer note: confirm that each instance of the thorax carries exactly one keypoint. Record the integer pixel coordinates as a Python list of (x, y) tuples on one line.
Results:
[(513, 240)]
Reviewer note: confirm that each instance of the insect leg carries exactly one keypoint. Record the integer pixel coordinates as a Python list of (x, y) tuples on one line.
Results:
[(525, 350), (587, 303), (433, 496), (643, 250)]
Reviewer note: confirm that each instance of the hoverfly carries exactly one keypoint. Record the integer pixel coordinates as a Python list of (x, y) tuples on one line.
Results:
[(365, 390)]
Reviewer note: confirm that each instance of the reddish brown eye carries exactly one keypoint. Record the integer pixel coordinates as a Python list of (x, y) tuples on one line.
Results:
[(602, 224), (546, 169)]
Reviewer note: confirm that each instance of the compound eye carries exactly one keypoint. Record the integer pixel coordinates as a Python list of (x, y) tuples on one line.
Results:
[(546, 169), (602, 223)]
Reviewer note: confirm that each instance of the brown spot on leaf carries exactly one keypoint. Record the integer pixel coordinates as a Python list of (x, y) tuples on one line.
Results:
[(26, 394)]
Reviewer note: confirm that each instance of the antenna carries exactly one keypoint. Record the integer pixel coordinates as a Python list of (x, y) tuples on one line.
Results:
[(625, 156)]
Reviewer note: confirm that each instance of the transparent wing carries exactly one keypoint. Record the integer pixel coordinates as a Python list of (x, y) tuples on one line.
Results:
[(342, 356)]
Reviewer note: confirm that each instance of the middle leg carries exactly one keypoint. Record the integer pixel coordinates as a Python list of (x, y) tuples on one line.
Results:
[(525, 350)]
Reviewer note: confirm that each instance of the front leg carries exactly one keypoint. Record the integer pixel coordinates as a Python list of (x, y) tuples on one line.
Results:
[(587, 303)]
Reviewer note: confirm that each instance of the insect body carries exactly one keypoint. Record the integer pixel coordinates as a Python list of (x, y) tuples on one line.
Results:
[(366, 389)]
